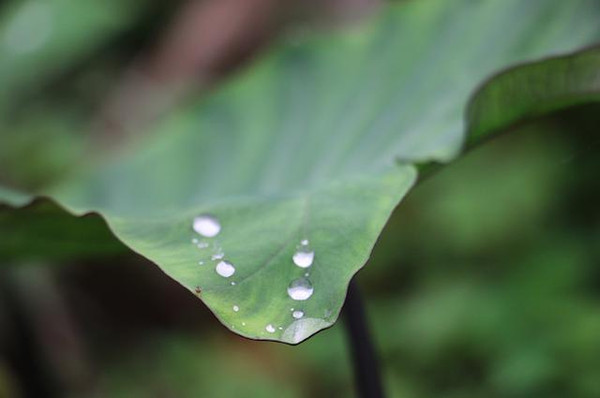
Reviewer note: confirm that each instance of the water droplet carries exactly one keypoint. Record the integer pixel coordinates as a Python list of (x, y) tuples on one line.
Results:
[(304, 257), (236, 308), (307, 274), (232, 283), (218, 256), (207, 225), (298, 314), (280, 328), (270, 328), (292, 309), (225, 269), (304, 242), (243, 323), (194, 241), (202, 245), (200, 262), (300, 289)]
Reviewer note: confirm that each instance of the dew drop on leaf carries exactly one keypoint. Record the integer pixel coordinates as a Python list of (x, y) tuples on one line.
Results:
[(304, 257), (207, 225), (300, 289), (218, 256), (298, 314), (270, 328), (236, 308), (225, 269)]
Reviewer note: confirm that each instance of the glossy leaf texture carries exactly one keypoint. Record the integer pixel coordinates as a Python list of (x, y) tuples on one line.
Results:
[(317, 141)]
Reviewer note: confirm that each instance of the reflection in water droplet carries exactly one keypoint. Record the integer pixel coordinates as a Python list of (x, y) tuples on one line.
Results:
[(304, 257), (300, 289), (298, 314), (236, 308), (270, 328), (225, 269), (207, 225), (302, 328)]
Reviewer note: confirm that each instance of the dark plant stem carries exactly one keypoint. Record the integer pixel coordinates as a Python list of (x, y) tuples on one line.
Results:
[(366, 367)]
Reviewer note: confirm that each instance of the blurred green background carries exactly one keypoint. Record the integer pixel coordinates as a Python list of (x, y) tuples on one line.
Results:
[(485, 283)]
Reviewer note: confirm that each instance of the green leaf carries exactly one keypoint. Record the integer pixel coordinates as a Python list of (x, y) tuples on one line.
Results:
[(533, 90), (40, 39), (317, 141)]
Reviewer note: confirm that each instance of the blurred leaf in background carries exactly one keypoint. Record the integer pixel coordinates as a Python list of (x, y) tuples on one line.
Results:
[(484, 283)]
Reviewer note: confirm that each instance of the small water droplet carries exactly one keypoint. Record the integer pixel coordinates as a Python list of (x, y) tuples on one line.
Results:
[(236, 308), (298, 314), (307, 274), (232, 283), (280, 328), (243, 323), (194, 241), (202, 245), (218, 256), (270, 328), (207, 225), (225, 269), (200, 262), (304, 242), (292, 309), (300, 289), (304, 257)]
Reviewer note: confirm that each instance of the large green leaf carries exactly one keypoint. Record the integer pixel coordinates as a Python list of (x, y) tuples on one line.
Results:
[(317, 141)]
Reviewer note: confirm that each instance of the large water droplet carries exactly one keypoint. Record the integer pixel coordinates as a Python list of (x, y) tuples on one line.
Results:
[(300, 289), (304, 257), (270, 328), (298, 314), (225, 269), (207, 225)]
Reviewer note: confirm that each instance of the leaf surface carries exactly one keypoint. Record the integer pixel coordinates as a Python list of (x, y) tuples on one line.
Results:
[(317, 141)]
